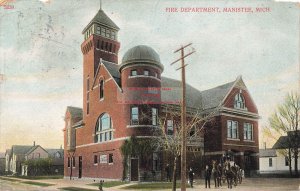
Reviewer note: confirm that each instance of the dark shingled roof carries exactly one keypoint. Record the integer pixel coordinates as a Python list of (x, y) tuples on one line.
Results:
[(195, 98), (113, 69), (192, 94), (282, 143), (213, 97), (21, 149), (32, 149), (52, 152), (267, 153), (103, 19), (76, 112)]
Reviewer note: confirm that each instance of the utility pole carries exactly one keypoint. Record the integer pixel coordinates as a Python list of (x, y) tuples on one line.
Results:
[(183, 114)]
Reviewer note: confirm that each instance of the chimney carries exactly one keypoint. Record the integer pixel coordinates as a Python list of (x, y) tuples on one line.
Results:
[(33, 143)]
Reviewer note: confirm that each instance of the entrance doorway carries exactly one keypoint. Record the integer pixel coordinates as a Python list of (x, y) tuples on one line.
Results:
[(134, 169)]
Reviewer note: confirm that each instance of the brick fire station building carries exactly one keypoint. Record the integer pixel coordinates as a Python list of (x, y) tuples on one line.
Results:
[(113, 107)]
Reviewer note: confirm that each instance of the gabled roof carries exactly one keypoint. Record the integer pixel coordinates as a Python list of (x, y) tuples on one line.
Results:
[(211, 98), (34, 148), (75, 112), (21, 149), (103, 19), (8, 152), (113, 69), (282, 143), (267, 153), (52, 152)]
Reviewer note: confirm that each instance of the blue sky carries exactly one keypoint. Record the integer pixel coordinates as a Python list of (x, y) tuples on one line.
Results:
[(41, 60)]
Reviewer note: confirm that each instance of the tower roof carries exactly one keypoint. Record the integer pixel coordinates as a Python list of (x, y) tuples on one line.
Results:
[(141, 54), (103, 19)]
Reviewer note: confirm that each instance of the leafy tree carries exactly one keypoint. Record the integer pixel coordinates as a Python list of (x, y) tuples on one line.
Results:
[(285, 121)]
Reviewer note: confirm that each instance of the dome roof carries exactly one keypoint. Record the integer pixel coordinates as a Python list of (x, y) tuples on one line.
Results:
[(141, 54)]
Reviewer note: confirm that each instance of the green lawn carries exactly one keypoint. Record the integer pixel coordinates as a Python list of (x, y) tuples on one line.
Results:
[(152, 186), (75, 189), (40, 177), (109, 184), (37, 183), (9, 179)]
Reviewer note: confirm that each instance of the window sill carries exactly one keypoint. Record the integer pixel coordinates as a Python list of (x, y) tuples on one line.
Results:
[(101, 99), (95, 164), (251, 141), (137, 126), (110, 163), (232, 139), (144, 76)]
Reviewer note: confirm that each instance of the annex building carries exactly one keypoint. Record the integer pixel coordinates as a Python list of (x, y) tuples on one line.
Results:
[(126, 99)]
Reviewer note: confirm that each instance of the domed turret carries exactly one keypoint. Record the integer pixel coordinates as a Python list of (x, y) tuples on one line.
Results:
[(141, 67)]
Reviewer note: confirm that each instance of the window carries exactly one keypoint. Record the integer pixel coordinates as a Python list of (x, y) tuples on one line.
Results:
[(134, 116), (57, 155), (232, 129), (239, 101), (103, 129), (98, 44), (286, 161), (146, 72), (248, 131), (113, 35), (270, 162), (73, 162), (154, 116), (95, 159), (101, 89), (69, 162), (192, 131), (170, 127), (110, 158), (155, 74), (87, 95), (102, 31), (133, 73), (98, 30)]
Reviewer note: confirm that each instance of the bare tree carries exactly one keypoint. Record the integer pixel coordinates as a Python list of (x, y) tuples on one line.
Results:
[(285, 120), (170, 140)]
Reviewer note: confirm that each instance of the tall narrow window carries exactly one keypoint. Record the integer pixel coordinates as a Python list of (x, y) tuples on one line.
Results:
[(270, 162), (73, 161), (146, 72), (170, 127), (248, 131), (154, 116), (232, 129), (239, 101), (101, 89), (98, 44), (134, 116), (87, 95), (69, 162), (95, 159), (286, 161), (110, 158)]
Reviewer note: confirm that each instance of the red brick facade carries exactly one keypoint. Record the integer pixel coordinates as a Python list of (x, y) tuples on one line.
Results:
[(94, 153)]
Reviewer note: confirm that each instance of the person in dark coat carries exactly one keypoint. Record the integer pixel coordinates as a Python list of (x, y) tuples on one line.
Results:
[(168, 172), (207, 174), (191, 177)]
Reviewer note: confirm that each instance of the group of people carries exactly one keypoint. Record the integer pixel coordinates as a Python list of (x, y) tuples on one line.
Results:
[(227, 171)]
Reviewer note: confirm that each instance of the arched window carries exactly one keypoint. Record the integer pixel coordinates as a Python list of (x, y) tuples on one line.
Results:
[(239, 101), (103, 129), (101, 89)]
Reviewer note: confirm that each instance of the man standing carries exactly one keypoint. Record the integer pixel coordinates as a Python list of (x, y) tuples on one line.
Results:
[(207, 175), (168, 172), (191, 177)]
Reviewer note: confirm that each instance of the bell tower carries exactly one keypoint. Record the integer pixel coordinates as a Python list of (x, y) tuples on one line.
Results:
[(100, 42)]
